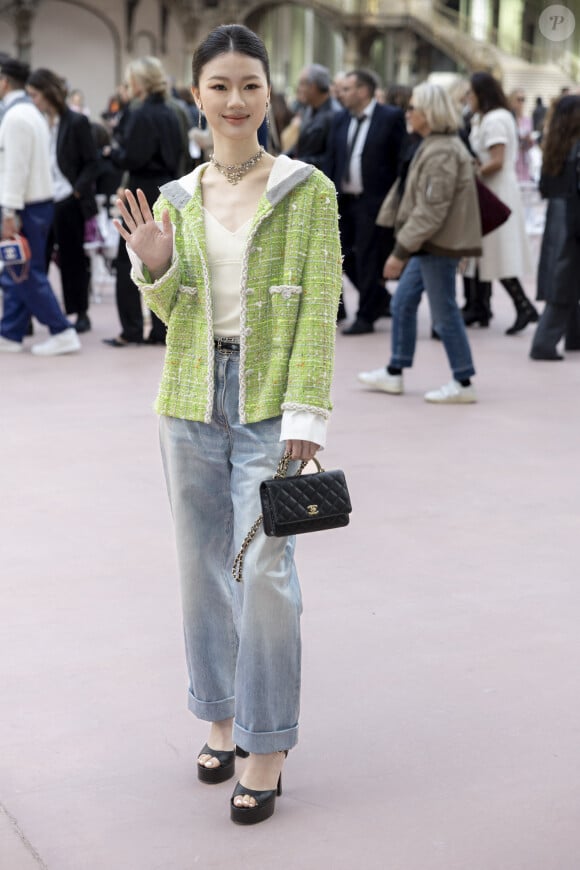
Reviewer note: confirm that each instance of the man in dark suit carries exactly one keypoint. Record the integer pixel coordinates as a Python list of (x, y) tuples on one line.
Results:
[(362, 159), (314, 84)]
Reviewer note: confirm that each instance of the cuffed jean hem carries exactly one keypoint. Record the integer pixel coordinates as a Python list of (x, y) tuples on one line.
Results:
[(399, 363), (464, 374), (265, 742), (211, 711)]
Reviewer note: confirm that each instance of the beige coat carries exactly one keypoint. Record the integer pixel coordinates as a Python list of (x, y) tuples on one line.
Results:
[(439, 210)]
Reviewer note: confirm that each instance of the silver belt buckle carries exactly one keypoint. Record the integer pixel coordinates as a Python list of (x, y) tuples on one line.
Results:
[(223, 340)]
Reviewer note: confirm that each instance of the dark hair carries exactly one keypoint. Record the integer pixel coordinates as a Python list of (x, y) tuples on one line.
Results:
[(184, 93), (227, 38), (563, 132), (16, 71), (399, 96), (51, 86), (489, 92), (365, 78)]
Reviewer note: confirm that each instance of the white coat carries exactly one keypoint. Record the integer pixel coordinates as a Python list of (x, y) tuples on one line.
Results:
[(506, 252)]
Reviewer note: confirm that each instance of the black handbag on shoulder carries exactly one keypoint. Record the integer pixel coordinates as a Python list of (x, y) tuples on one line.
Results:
[(299, 504)]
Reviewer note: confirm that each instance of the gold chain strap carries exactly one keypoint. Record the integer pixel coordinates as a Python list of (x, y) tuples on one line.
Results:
[(280, 473)]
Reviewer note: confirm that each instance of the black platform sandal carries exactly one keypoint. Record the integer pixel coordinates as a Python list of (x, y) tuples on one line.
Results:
[(265, 803), (227, 766)]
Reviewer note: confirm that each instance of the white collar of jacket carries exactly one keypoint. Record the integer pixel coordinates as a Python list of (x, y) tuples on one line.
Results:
[(286, 174)]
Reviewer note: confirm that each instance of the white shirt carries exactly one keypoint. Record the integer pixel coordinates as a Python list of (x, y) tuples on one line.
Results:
[(24, 155), (225, 251), (355, 184), (62, 186)]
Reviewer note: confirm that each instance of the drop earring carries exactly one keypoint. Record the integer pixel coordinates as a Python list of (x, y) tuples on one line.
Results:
[(199, 117), (267, 118)]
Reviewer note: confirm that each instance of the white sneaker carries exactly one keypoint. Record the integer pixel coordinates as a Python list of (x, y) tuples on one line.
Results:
[(9, 346), (380, 379), (452, 394), (63, 342)]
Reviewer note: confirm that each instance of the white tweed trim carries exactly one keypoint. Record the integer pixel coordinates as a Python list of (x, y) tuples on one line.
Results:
[(210, 345), (313, 409), (143, 285), (191, 291), (245, 291)]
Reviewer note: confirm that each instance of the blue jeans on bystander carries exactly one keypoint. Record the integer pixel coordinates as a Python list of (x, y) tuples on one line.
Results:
[(435, 275), (33, 296)]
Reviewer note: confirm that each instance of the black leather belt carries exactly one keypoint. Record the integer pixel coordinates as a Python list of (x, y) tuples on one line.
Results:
[(231, 345)]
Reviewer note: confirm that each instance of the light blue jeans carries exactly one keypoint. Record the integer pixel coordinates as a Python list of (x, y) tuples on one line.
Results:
[(242, 640), (435, 275)]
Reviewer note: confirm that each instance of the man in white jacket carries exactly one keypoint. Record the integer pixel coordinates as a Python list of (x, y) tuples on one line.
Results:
[(26, 195)]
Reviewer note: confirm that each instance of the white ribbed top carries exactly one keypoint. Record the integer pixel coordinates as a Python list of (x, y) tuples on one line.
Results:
[(225, 251)]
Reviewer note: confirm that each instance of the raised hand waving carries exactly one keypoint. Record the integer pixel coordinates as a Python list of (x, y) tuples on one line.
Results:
[(152, 244)]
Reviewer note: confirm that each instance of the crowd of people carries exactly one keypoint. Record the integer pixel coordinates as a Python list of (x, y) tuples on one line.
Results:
[(239, 218), (362, 137)]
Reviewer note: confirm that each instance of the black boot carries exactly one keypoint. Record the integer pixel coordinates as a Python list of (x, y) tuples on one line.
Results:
[(478, 310), (468, 292), (525, 311), (83, 323)]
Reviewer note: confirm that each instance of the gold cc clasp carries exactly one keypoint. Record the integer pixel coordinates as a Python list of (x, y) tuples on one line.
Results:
[(312, 510)]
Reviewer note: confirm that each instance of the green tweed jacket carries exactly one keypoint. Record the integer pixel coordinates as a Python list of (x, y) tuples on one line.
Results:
[(290, 287)]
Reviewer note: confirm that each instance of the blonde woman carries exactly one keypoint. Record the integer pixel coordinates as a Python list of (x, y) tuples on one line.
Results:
[(436, 221), (149, 149)]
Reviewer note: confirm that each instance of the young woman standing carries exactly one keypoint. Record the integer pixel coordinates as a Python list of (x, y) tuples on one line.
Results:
[(244, 266)]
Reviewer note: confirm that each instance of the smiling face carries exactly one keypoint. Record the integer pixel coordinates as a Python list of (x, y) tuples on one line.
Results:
[(233, 92)]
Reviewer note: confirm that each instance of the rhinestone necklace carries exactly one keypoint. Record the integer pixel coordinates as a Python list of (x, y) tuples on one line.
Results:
[(234, 172)]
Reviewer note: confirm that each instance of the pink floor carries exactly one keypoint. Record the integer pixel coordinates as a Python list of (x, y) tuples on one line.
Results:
[(441, 715)]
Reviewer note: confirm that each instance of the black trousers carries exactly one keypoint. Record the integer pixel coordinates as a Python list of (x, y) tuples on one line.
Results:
[(365, 247), (127, 295), (128, 300), (68, 232), (556, 322)]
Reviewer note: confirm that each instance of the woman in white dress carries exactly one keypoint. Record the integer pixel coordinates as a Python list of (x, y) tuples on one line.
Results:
[(506, 255)]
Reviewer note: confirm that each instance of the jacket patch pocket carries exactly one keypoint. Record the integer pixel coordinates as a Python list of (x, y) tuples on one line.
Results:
[(286, 291)]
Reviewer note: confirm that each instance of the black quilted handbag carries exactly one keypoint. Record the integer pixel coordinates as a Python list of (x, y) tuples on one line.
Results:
[(295, 505)]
